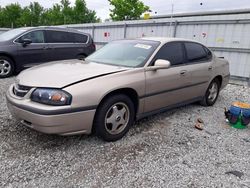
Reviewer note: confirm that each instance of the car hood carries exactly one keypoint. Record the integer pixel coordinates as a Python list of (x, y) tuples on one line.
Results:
[(63, 73)]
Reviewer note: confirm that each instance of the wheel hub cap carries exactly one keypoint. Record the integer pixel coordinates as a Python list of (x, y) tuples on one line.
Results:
[(213, 92), (117, 118), (5, 67)]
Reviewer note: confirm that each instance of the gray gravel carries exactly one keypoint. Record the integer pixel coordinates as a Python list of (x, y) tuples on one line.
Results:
[(161, 151)]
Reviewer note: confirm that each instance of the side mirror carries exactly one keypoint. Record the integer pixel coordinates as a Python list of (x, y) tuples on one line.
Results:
[(160, 64), (25, 42)]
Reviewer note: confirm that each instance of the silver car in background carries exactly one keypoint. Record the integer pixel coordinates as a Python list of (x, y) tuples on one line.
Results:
[(124, 81)]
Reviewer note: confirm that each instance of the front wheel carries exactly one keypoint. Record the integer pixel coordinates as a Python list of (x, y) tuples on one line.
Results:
[(114, 117), (212, 93), (6, 67)]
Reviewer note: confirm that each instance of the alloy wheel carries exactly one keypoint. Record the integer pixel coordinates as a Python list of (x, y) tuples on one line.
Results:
[(5, 67)]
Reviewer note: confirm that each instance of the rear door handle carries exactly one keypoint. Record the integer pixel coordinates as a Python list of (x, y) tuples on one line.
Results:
[(210, 68), (183, 72)]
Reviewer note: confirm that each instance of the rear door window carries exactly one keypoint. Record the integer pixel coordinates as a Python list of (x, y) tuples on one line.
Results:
[(80, 38), (65, 37), (172, 52), (57, 37), (34, 36), (195, 52), (71, 37)]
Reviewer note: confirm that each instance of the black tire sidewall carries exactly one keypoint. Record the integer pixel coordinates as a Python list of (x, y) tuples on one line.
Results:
[(11, 64), (99, 125), (81, 57), (208, 102)]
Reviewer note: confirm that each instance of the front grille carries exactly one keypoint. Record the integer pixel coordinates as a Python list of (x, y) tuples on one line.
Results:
[(20, 90)]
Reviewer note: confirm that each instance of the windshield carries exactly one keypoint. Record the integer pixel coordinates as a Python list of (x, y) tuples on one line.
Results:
[(127, 53), (11, 34)]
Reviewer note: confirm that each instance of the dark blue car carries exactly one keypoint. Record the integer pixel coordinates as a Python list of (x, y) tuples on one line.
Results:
[(25, 47)]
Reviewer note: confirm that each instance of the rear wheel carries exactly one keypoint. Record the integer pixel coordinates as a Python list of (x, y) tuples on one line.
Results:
[(212, 93), (114, 117), (6, 67), (81, 57)]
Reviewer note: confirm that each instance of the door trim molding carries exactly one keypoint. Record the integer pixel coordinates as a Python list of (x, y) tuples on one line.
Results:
[(170, 90)]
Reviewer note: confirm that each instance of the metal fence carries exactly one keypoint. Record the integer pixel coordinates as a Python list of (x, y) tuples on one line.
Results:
[(225, 32)]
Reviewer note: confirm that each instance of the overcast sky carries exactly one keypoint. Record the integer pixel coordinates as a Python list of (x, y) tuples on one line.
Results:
[(157, 6)]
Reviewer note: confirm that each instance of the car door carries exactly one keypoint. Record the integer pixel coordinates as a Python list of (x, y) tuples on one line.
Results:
[(166, 87), (200, 65), (33, 53)]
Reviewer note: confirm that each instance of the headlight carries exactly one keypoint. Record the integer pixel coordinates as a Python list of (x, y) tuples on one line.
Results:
[(53, 97)]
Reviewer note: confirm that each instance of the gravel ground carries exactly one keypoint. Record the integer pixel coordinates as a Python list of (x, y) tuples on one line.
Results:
[(164, 150)]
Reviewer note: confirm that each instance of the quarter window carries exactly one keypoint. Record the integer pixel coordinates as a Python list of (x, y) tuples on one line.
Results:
[(80, 38), (34, 36), (172, 52), (195, 52)]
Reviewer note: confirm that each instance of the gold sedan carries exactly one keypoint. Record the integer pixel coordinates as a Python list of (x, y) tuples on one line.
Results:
[(124, 81)]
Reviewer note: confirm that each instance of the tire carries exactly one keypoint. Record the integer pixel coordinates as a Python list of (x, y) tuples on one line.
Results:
[(81, 57), (6, 67), (114, 117), (212, 93)]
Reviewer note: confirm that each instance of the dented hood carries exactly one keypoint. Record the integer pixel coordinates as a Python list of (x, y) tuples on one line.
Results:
[(62, 73)]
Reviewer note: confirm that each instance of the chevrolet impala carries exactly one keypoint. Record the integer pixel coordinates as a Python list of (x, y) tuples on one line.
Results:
[(122, 82)]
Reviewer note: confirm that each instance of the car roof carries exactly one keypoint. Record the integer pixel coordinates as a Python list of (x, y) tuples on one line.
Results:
[(166, 39), (57, 28)]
